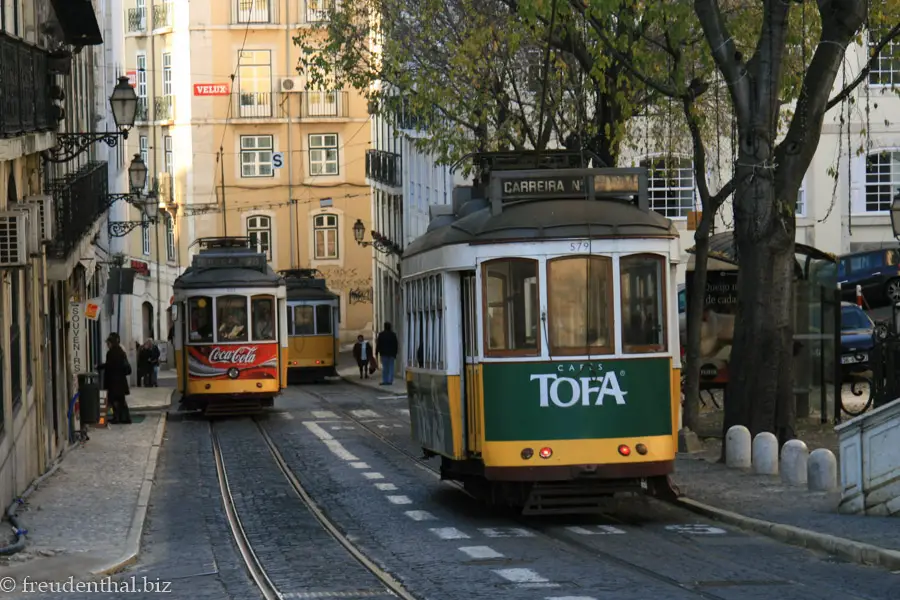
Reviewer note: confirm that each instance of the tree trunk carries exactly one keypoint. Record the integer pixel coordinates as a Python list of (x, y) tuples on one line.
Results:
[(695, 302)]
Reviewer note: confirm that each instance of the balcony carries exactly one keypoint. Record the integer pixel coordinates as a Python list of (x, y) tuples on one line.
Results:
[(254, 105), (142, 113), (324, 105), (316, 11), (163, 15), (137, 20), (79, 201), (164, 108), (25, 105), (383, 167), (254, 11)]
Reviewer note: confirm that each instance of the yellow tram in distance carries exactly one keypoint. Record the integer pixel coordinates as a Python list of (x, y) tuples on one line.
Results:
[(313, 326), (230, 338)]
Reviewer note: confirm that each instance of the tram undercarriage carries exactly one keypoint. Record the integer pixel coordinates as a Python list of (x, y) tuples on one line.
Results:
[(226, 405)]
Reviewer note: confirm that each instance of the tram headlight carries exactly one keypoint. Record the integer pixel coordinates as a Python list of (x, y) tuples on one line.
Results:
[(527, 453), (233, 372)]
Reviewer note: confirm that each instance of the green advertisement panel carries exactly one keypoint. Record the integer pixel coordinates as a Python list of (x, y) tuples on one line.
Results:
[(429, 411), (564, 400)]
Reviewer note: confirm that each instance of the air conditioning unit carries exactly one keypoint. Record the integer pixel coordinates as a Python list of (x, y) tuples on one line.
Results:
[(13, 238), (45, 204), (291, 85), (34, 224)]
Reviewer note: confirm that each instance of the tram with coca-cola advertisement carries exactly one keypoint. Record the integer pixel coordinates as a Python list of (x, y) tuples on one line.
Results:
[(231, 341)]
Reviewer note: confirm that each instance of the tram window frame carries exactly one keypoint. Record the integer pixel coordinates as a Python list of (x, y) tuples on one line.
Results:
[(509, 327), (425, 322), (273, 318), (241, 338), (660, 297), (554, 310), (323, 309), (192, 308), (312, 320)]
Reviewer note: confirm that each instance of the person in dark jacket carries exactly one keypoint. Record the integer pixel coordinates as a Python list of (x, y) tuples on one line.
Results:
[(115, 378), (386, 346), (144, 364), (155, 355), (362, 353)]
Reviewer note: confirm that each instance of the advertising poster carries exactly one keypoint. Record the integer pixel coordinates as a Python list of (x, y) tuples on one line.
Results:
[(717, 327), (92, 309), (233, 361)]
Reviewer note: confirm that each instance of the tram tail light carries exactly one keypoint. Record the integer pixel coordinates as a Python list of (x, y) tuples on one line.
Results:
[(641, 449), (527, 453), (624, 450), (546, 452)]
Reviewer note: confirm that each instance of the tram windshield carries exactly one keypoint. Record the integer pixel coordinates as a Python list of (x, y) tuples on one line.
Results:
[(231, 315), (579, 289), (308, 319), (263, 308), (643, 308)]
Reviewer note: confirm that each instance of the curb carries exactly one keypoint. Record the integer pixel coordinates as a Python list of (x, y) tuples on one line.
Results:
[(133, 542), (850, 550), (368, 387)]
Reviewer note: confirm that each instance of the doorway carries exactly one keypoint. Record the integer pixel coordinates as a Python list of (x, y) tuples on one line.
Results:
[(147, 318)]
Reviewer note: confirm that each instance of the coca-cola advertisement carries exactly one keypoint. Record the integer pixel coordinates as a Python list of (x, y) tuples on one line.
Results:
[(233, 361)]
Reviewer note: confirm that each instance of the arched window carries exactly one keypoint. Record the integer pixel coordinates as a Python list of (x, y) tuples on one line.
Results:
[(671, 186), (325, 234), (259, 230), (882, 180)]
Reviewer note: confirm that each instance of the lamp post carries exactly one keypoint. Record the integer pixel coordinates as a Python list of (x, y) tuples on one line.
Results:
[(123, 104), (137, 174), (379, 242), (150, 209)]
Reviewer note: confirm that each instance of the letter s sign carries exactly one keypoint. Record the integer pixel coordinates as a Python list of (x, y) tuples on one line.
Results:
[(277, 160)]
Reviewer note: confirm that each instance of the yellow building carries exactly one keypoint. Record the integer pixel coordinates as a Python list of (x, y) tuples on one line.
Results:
[(239, 146)]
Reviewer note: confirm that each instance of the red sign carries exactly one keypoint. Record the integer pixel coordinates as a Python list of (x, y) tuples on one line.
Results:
[(141, 268), (234, 361), (211, 89), (132, 78)]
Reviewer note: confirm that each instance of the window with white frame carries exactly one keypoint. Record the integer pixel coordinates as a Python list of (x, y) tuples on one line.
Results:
[(425, 322), (882, 180), (170, 238), (671, 186), (325, 234), (255, 83), (256, 156), (317, 10), (167, 73), (886, 68), (252, 11), (800, 208), (145, 236), (323, 154), (170, 157), (259, 230), (144, 146), (141, 91)]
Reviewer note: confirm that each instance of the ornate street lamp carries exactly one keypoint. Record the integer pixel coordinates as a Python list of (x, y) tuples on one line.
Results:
[(137, 174), (379, 242), (123, 103), (359, 232), (150, 208)]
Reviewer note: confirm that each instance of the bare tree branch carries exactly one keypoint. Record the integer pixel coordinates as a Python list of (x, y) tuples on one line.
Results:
[(873, 57)]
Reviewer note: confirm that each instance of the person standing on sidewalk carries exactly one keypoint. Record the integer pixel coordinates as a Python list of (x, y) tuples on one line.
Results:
[(386, 346), (154, 363), (362, 353), (115, 378), (144, 368)]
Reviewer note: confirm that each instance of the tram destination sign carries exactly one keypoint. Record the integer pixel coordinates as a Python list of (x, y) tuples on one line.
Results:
[(567, 186), (223, 261)]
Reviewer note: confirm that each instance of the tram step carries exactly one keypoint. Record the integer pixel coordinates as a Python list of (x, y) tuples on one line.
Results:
[(236, 407)]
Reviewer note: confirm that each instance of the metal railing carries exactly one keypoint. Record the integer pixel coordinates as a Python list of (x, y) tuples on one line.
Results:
[(254, 11), (143, 110), (164, 108), (383, 167), (163, 15), (316, 11), (137, 19), (324, 105), (254, 105), (25, 82), (79, 201)]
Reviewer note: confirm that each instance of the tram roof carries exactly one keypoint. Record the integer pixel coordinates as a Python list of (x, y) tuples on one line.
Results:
[(302, 284), (228, 262)]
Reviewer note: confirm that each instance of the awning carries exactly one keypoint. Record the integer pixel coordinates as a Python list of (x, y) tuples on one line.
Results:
[(721, 247), (78, 22)]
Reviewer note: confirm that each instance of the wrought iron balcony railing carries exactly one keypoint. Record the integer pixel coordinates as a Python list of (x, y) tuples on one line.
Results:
[(137, 19), (143, 110), (324, 105), (79, 201), (254, 105), (163, 15), (383, 167), (25, 103), (254, 11), (164, 108), (316, 11)]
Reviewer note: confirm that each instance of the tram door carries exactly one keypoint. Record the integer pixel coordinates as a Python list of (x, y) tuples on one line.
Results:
[(471, 374)]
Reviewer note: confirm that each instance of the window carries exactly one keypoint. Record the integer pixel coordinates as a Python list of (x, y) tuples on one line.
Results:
[(256, 156), (252, 11), (425, 322), (579, 290), (325, 232), (800, 207), (231, 317), (15, 341), (141, 91), (882, 180), (671, 186), (167, 73), (643, 292), (886, 68), (259, 230), (304, 321), (144, 143), (170, 238), (323, 319), (511, 298), (310, 319), (141, 6), (200, 318), (263, 318), (145, 235), (317, 10), (323, 154), (255, 81), (170, 159)]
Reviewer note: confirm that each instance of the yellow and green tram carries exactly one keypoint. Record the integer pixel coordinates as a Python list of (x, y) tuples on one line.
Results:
[(541, 326), (313, 323)]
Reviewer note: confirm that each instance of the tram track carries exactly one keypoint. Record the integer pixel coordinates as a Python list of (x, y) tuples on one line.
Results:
[(252, 559)]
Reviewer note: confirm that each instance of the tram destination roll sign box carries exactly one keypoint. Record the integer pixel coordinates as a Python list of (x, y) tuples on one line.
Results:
[(567, 186)]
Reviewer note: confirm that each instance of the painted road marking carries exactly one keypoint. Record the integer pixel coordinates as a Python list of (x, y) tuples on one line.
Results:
[(404, 411), (480, 552), (500, 532), (373, 475), (337, 427), (696, 529), (382, 426), (524, 576), (394, 397), (399, 500), (335, 446), (419, 515), (365, 413), (386, 487), (598, 530), (399, 426), (449, 533), (570, 598), (359, 465), (324, 414), (287, 416)]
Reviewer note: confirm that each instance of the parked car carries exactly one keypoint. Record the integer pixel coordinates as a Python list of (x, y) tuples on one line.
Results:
[(857, 339), (877, 272)]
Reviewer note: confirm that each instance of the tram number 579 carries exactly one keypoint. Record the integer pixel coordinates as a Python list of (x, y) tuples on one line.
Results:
[(581, 246)]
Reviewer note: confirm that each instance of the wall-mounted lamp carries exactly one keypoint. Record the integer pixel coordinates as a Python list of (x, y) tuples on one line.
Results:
[(380, 242)]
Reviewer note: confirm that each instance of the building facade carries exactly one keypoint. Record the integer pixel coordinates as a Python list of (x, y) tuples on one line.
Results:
[(238, 146)]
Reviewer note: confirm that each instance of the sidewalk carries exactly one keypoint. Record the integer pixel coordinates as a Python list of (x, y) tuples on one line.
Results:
[(349, 372), (85, 518)]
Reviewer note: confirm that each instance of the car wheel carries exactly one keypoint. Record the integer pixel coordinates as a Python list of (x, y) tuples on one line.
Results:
[(892, 290)]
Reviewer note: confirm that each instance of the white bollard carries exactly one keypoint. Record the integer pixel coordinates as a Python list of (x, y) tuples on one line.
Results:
[(794, 457), (765, 454), (737, 447), (822, 471)]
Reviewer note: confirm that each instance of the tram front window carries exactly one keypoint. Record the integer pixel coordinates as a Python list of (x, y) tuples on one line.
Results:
[(643, 303), (263, 318), (303, 320), (200, 315), (323, 319), (511, 311), (231, 314), (579, 290)]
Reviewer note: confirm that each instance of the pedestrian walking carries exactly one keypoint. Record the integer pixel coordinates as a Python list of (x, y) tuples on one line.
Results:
[(145, 354), (362, 353), (115, 378), (155, 355), (386, 346)]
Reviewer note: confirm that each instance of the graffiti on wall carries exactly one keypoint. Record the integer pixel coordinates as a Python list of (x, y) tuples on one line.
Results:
[(360, 296), (345, 279)]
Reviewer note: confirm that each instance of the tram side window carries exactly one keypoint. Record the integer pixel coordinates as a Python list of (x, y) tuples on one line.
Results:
[(580, 295), (425, 322), (201, 320), (231, 315), (643, 303), (303, 320), (323, 319), (511, 314), (263, 318)]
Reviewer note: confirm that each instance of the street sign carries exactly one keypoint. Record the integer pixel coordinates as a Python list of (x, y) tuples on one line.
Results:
[(211, 89), (277, 159)]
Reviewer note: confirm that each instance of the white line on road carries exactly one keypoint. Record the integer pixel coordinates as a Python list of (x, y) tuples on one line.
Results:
[(480, 552), (373, 475), (394, 397), (386, 487), (521, 576), (335, 446), (570, 598), (419, 515), (323, 414), (449, 533), (359, 465), (599, 530), (399, 500), (287, 416), (404, 411), (499, 532), (696, 529), (365, 413)]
